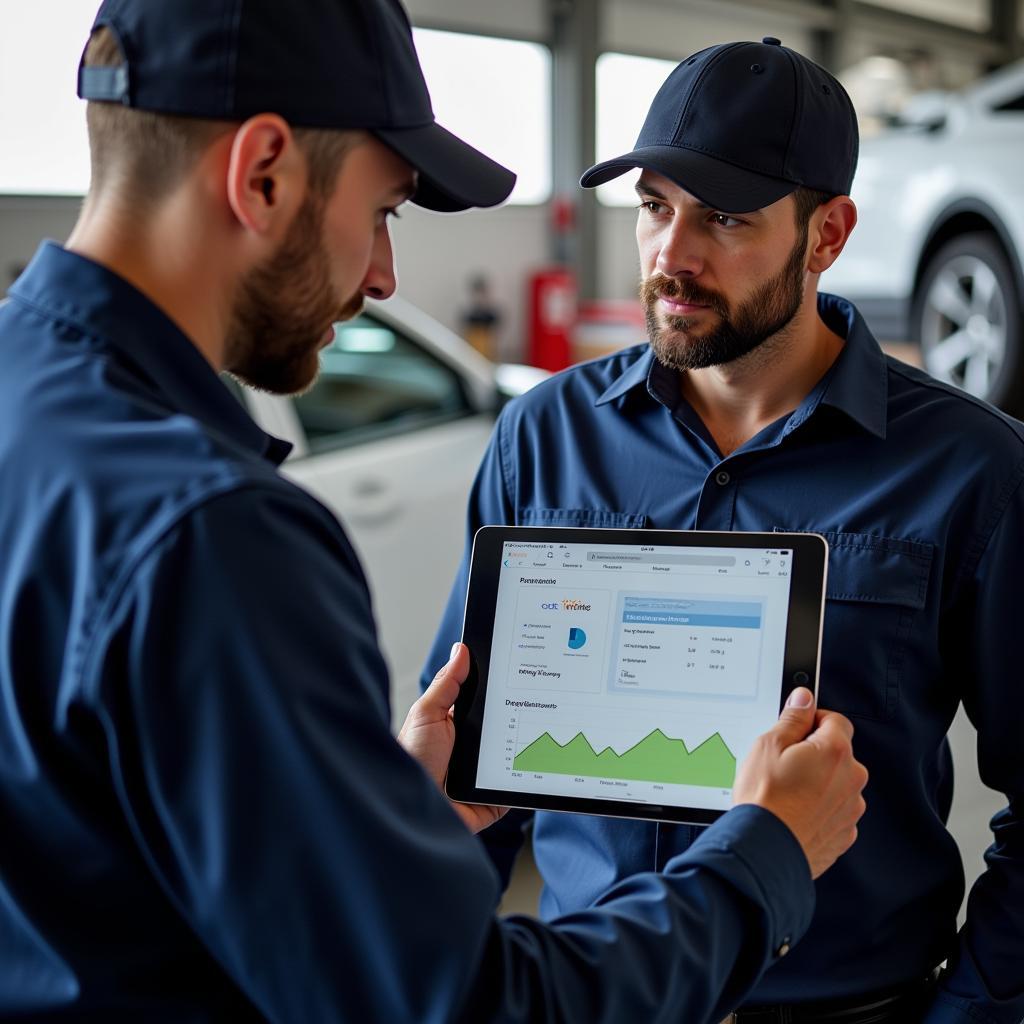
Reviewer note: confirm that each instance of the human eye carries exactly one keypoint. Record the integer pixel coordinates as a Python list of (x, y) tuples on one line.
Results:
[(652, 206), (723, 220), (387, 213)]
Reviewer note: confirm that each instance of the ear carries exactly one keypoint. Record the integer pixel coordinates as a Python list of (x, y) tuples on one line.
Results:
[(265, 176), (829, 229)]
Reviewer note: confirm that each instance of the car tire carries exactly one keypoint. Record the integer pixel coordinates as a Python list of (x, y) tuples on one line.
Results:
[(967, 318)]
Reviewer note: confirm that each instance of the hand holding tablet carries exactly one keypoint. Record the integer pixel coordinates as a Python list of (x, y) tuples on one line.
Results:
[(627, 672), (428, 734), (812, 782), (802, 768)]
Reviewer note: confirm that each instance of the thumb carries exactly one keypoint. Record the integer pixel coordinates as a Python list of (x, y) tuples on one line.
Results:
[(441, 694), (797, 718)]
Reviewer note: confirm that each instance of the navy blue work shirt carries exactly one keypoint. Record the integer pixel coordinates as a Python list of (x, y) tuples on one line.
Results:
[(203, 815), (917, 487)]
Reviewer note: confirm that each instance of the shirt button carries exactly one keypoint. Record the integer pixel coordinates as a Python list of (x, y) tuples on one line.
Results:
[(722, 478), (783, 949)]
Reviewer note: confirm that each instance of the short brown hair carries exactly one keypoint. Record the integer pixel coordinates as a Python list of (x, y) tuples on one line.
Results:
[(146, 154), (807, 201)]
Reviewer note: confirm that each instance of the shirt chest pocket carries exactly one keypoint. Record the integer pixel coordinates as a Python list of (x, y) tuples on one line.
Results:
[(597, 518), (876, 592)]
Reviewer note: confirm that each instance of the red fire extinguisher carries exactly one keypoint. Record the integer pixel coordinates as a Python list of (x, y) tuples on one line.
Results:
[(553, 313)]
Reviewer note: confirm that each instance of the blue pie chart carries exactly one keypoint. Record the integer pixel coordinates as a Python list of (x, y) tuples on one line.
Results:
[(577, 638)]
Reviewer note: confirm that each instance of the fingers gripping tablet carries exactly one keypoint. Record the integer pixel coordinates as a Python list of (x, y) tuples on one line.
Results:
[(627, 672)]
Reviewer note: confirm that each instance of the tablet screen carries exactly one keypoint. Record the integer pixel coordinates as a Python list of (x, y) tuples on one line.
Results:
[(640, 673)]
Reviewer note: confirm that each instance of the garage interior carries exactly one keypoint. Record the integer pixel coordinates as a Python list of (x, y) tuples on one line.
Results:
[(884, 51)]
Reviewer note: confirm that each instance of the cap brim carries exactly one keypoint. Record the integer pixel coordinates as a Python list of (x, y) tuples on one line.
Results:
[(714, 182), (453, 175)]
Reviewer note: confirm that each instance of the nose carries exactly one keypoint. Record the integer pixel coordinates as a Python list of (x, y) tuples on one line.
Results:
[(380, 280), (679, 251)]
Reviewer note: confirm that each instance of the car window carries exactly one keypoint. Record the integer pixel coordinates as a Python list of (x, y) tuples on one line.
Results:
[(1014, 103), (375, 382)]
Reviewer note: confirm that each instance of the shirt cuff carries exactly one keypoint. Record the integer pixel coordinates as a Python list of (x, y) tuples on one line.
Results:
[(753, 850)]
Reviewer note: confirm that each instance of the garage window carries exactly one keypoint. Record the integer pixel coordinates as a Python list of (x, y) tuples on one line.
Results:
[(42, 122), (495, 94), (374, 382), (626, 85)]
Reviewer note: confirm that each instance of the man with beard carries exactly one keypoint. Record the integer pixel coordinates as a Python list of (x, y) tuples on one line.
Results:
[(759, 404), (203, 815)]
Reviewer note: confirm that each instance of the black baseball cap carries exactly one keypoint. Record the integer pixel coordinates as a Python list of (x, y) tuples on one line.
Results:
[(740, 125), (338, 64)]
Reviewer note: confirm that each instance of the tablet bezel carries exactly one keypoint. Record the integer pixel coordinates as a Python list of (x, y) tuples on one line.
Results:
[(802, 655)]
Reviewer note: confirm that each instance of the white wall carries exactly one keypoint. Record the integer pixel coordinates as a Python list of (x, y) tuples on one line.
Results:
[(619, 269), (438, 253), (24, 222)]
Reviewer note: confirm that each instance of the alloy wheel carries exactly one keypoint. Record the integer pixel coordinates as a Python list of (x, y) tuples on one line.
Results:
[(964, 325)]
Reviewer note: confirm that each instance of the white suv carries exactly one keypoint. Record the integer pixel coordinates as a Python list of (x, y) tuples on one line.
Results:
[(937, 255)]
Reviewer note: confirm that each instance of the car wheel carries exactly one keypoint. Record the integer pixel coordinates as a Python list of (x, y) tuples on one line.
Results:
[(967, 318)]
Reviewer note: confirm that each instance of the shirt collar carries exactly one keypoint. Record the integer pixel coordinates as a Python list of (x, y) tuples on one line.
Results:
[(857, 384), (77, 291), (638, 372)]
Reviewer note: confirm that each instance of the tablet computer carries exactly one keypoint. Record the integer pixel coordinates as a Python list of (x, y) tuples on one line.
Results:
[(627, 672)]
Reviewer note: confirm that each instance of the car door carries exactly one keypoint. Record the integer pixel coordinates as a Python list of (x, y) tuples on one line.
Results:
[(390, 438)]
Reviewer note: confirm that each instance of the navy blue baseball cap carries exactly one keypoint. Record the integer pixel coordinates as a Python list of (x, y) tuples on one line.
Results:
[(740, 125), (336, 64)]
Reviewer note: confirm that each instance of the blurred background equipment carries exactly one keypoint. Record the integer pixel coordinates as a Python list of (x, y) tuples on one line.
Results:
[(553, 309), (481, 318)]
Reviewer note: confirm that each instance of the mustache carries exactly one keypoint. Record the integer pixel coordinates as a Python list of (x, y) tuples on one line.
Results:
[(658, 285)]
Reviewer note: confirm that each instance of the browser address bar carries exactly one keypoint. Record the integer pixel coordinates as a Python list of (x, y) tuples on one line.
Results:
[(650, 556)]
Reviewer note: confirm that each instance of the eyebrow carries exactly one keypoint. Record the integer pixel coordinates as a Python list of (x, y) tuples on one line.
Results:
[(649, 190), (405, 190), (643, 190)]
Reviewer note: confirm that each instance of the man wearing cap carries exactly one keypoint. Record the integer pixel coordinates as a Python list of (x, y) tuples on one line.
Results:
[(203, 815), (760, 405)]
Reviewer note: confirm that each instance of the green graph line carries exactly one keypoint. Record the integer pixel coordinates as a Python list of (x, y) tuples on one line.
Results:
[(656, 758)]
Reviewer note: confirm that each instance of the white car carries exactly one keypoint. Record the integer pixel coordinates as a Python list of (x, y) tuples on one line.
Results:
[(936, 257), (390, 438)]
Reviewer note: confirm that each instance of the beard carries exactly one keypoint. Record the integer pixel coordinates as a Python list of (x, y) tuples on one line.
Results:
[(283, 309), (675, 339)]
